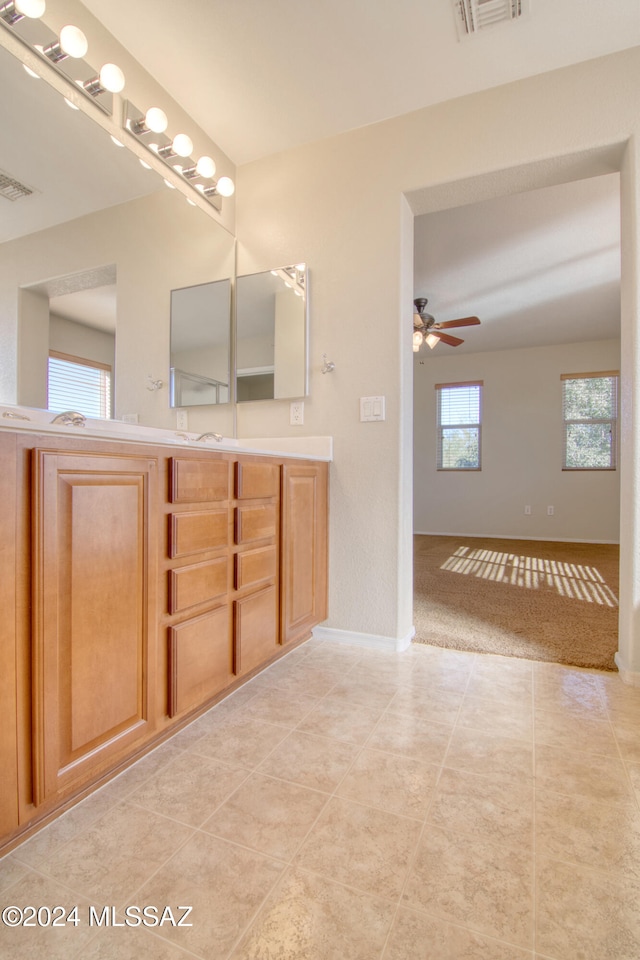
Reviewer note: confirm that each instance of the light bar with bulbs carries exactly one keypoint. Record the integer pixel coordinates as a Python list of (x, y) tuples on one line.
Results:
[(150, 129), (65, 53)]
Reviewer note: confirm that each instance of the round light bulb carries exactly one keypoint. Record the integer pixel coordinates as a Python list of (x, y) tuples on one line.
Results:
[(32, 73), (225, 186), (117, 142), (156, 120), (144, 164), (30, 8), (70, 104), (417, 340), (73, 42), (182, 145), (205, 167), (112, 78), (169, 184)]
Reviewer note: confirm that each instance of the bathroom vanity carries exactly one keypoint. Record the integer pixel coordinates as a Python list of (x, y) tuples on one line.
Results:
[(141, 581)]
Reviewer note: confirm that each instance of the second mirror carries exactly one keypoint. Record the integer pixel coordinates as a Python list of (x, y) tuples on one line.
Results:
[(271, 334)]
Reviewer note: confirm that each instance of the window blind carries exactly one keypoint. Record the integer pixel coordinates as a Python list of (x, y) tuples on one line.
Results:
[(74, 383), (590, 420), (459, 417)]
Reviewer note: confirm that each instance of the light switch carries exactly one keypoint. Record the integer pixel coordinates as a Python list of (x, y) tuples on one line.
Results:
[(372, 408)]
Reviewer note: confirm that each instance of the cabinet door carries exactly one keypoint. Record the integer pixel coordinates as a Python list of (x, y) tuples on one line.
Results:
[(94, 613), (255, 630), (303, 571), (8, 692)]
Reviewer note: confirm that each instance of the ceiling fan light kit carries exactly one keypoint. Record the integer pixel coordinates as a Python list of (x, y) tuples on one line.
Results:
[(427, 330)]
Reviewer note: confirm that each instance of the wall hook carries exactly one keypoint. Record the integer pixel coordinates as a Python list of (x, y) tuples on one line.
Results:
[(154, 384), (327, 365)]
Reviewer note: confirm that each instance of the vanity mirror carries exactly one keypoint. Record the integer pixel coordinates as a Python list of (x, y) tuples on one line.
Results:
[(78, 214), (271, 334)]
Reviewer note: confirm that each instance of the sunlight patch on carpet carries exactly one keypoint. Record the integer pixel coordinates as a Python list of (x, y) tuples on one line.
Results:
[(571, 580)]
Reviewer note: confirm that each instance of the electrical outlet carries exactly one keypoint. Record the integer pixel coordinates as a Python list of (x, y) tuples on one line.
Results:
[(182, 420), (551, 511), (527, 510), (129, 417), (296, 413)]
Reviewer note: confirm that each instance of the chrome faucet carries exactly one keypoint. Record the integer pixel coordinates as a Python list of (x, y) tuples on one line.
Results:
[(70, 418), (210, 436)]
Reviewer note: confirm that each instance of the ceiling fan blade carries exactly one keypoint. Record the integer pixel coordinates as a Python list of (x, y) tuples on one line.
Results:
[(462, 322), (452, 341)]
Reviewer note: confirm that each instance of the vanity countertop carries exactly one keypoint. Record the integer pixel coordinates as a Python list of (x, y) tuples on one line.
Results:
[(26, 419)]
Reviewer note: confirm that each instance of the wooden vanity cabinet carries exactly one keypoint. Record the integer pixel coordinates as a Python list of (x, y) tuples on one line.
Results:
[(139, 585), (303, 551), (94, 613)]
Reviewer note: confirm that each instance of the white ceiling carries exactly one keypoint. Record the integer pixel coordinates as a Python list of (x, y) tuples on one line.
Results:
[(537, 268), (260, 77)]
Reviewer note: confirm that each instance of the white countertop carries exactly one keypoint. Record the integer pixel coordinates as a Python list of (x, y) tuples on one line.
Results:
[(30, 420)]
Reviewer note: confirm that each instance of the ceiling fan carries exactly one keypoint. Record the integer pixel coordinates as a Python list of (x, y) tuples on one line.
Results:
[(426, 330)]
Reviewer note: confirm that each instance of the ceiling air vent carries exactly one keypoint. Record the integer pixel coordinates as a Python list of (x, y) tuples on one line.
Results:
[(472, 16), (12, 189)]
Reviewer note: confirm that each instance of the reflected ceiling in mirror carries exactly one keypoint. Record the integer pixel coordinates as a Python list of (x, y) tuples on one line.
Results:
[(200, 344), (271, 334)]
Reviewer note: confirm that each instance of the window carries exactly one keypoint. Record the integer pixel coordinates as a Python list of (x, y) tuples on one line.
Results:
[(590, 420), (459, 425), (77, 384)]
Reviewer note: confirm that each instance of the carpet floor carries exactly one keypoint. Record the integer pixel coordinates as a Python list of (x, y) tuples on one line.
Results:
[(519, 598)]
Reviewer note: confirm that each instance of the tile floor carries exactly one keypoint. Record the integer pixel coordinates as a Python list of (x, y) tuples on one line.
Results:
[(355, 805)]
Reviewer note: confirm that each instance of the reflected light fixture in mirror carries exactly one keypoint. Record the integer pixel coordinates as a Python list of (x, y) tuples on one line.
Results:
[(15, 10), (271, 334)]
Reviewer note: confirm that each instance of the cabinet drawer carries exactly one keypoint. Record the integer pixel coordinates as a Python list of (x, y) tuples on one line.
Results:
[(256, 630), (198, 481), (255, 566), (256, 481), (255, 523), (197, 531), (200, 660), (197, 583)]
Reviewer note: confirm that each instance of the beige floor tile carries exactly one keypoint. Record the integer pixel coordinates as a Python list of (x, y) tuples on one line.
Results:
[(312, 679), (415, 936), (620, 697), (504, 687), (67, 827), (267, 815), (575, 733), (350, 722), (433, 703), (11, 870), (117, 853), (483, 807), (130, 780), (633, 769), (584, 914), (44, 941), (436, 674), (314, 762), (224, 883), (189, 789), (485, 886), (478, 751), (582, 774), (511, 719), (270, 706), (410, 736), (627, 734), (371, 692), (130, 943), (362, 847), (240, 740), (496, 667), (571, 693), (310, 918), (590, 832), (391, 782)]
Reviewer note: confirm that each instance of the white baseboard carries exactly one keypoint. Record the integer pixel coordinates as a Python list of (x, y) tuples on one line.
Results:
[(632, 677), (371, 640), (508, 536)]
